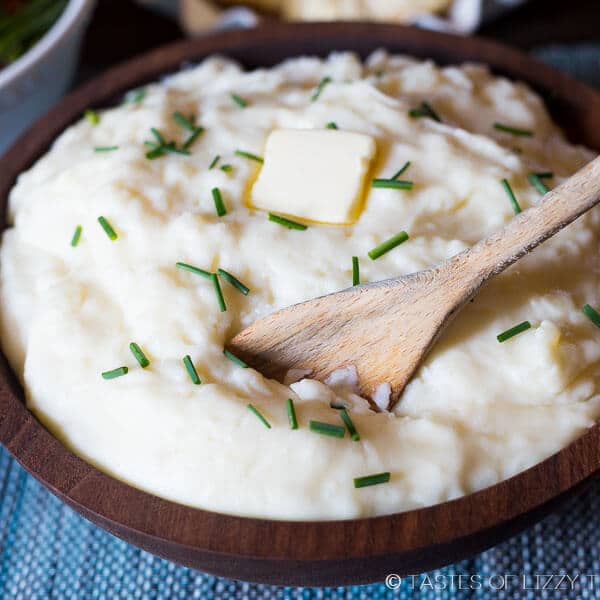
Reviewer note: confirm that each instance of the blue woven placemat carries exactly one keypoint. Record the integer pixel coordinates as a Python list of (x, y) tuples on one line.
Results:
[(48, 551)]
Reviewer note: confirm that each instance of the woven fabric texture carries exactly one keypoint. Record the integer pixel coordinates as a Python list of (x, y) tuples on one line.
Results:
[(47, 551)]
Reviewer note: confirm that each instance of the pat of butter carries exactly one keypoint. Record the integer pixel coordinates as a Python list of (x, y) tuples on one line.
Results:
[(314, 174)]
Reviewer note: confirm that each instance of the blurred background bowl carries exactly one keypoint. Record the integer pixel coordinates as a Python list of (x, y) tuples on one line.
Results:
[(34, 82)]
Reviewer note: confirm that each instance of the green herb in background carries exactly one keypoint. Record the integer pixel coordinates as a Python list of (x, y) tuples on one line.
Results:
[(23, 26)]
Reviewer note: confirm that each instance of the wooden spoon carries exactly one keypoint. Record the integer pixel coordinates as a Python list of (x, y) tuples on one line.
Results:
[(385, 329)]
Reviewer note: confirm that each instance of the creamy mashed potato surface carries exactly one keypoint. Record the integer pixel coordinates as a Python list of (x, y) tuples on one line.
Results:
[(478, 411)]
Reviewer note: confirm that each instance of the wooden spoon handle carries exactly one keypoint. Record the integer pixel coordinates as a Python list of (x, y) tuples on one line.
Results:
[(533, 226)]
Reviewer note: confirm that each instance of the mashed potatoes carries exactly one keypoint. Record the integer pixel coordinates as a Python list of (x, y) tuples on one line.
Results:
[(477, 412)]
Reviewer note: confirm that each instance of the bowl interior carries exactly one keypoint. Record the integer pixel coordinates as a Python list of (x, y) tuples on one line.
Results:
[(286, 552)]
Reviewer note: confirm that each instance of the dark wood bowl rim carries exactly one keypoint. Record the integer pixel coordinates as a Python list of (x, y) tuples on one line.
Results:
[(135, 514)]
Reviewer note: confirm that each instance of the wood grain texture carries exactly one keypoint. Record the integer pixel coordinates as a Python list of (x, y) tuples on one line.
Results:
[(284, 552), (386, 329)]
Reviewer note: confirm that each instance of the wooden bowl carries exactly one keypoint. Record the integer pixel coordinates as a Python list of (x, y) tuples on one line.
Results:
[(287, 552)]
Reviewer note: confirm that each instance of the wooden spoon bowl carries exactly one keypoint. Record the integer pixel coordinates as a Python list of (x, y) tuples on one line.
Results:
[(289, 552)]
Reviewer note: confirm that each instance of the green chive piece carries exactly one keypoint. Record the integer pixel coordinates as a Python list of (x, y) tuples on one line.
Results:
[(76, 236), (250, 156), (139, 355), (425, 110), (115, 373), (332, 125), (259, 415), (110, 232), (400, 171), (291, 411), (218, 292), (239, 100), (591, 314), (134, 96), (193, 137), (189, 367), (234, 281), (158, 135), (105, 148), (219, 204), (520, 328), (194, 270), (350, 425), (511, 196), (234, 359), (226, 168), (214, 162), (287, 222), (513, 130), (538, 184), (185, 123), (327, 429), (388, 245), (368, 480), (392, 184), (92, 116), (320, 87), (355, 271)]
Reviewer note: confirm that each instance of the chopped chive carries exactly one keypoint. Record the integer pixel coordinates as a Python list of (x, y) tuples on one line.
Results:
[(158, 135), (185, 123), (320, 87), (219, 204), (350, 425), (591, 314), (139, 355), (115, 373), (506, 335), (388, 245), (259, 415), (234, 359), (327, 429), (511, 196), (392, 184), (355, 271), (218, 292), (193, 137), (249, 155), (513, 130), (425, 110), (173, 149), (110, 232), (239, 100), (92, 116), (287, 222), (134, 96), (291, 411), (538, 184), (194, 270), (76, 236), (189, 367), (105, 148), (401, 170), (368, 480), (226, 168), (545, 174), (214, 162), (234, 281), (332, 125)]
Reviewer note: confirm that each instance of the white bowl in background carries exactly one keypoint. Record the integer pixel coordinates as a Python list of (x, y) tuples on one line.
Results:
[(36, 81)]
